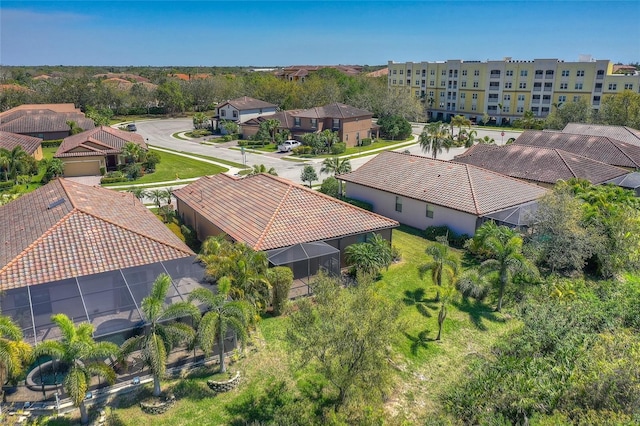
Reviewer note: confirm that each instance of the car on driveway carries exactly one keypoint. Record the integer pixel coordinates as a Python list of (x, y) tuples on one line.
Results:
[(288, 145), (131, 127)]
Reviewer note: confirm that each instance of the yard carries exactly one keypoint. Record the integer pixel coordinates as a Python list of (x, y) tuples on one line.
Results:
[(424, 370)]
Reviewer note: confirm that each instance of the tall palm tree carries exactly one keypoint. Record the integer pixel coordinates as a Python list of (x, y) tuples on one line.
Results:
[(443, 263), (84, 356), (330, 137), (459, 121), (506, 260), (434, 138), (15, 353), (162, 334), (336, 165), (222, 314), (471, 139), (168, 193), (158, 195), (138, 192), (272, 127), (131, 152), (15, 161)]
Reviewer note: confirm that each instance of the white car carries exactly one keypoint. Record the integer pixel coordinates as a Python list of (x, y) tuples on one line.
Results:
[(288, 145)]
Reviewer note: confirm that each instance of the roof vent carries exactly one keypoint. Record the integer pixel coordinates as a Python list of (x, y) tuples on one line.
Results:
[(56, 203)]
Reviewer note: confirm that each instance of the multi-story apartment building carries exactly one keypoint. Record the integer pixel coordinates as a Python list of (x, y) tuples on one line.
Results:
[(506, 89)]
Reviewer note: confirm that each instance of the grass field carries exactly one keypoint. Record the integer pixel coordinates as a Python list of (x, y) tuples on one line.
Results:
[(423, 371)]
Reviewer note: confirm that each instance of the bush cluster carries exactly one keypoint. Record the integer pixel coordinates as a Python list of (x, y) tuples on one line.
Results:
[(51, 143), (338, 148), (454, 240)]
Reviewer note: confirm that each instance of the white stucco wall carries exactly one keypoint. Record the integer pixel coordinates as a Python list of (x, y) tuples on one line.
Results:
[(244, 115), (414, 212)]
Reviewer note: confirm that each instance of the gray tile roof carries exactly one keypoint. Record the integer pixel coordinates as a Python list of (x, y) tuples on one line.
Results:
[(43, 121), (9, 141), (267, 212), (334, 110), (65, 229), (246, 103), (599, 148), (456, 186), (98, 141), (621, 133), (540, 164)]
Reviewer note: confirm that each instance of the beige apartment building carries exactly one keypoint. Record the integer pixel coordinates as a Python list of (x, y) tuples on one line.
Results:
[(505, 89)]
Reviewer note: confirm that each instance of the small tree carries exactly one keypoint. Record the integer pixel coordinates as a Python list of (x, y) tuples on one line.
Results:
[(331, 187), (308, 174), (15, 353), (261, 168), (443, 263), (336, 166), (138, 192), (281, 279), (371, 256)]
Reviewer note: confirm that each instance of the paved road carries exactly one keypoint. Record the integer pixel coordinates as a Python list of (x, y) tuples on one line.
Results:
[(159, 133)]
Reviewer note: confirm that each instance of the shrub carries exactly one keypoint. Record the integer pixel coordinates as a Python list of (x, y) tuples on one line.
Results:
[(152, 159), (330, 186), (362, 204), (280, 279), (134, 171), (454, 240), (6, 185), (112, 179), (338, 148), (302, 150), (51, 143), (103, 171), (242, 143), (365, 142)]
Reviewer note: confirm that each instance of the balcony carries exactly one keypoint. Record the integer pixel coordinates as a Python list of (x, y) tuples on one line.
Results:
[(537, 89)]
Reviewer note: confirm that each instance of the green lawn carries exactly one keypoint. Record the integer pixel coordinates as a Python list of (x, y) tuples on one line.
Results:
[(422, 374), (206, 157)]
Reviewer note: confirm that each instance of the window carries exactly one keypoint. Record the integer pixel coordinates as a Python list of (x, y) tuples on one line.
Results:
[(576, 98), (394, 81), (520, 109), (401, 72), (336, 121), (507, 85), (463, 84), (443, 83), (580, 73), (562, 98), (432, 83), (296, 121), (564, 86), (578, 86), (596, 99), (523, 85), (463, 95), (505, 109), (223, 113), (495, 73), (235, 114), (539, 73), (314, 122), (494, 85), (521, 98), (417, 93), (536, 98), (433, 72), (442, 94), (464, 73), (431, 94), (507, 97), (537, 86), (474, 96), (441, 104), (493, 97), (545, 110), (535, 110), (628, 86), (524, 73), (476, 72), (546, 98), (565, 73), (394, 72), (474, 107), (548, 73), (475, 84), (509, 73), (429, 211), (613, 86), (444, 72), (417, 83), (409, 82), (600, 73)]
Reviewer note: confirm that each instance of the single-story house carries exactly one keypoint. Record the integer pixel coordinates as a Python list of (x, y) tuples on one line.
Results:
[(31, 145), (86, 153), (599, 148), (46, 121), (421, 192), (243, 109), (621, 133), (294, 225), (88, 252), (352, 124), (542, 166), (301, 72)]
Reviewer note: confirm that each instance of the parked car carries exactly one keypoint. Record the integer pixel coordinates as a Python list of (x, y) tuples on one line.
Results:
[(288, 145), (131, 127)]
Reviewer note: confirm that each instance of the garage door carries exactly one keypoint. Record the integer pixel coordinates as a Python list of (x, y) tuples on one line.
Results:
[(82, 168)]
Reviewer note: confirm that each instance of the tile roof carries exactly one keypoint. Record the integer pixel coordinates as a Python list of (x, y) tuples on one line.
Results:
[(245, 103), (543, 165), (267, 212), (599, 148), (98, 141), (65, 229), (284, 117), (621, 133), (49, 107), (42, 121), (334, 110), (456, 186), (9, 141)]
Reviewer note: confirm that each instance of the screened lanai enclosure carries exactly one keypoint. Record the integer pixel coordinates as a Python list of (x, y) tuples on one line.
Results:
[(109, 300)]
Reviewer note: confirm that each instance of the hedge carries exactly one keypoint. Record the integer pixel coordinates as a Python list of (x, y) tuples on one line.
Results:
[(51, 143), (113, 179), (6, 184)]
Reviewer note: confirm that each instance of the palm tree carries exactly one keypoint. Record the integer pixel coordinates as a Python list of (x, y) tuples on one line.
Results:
[(272, 127), (15, 353), (371, 256), (162, 335), (435, 138), (336, 165), (506, 259), (84, 356), (459, 121), (471, 139), (168, 193), (330, 137), (443, 263), (14, 162), (132, 152), (222, 314), (157, 195), (261, 168), (138, 192)]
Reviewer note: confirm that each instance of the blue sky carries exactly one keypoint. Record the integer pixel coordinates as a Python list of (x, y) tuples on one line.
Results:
[(269, 33)]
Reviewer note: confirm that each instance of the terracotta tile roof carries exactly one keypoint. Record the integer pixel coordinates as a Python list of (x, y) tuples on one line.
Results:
[(456, 186), (621, 133), (245, 103), (125, 76), (540, 164), (39, 107), (334, 110), (284, 117), (599, 148), (14, 87), (65, 229), (9, 141), (101, 140), (267, 212), (43, 121)]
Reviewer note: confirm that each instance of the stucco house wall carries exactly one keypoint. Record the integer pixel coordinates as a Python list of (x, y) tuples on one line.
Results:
[(82, 166), (414, 212), (226, 113)]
